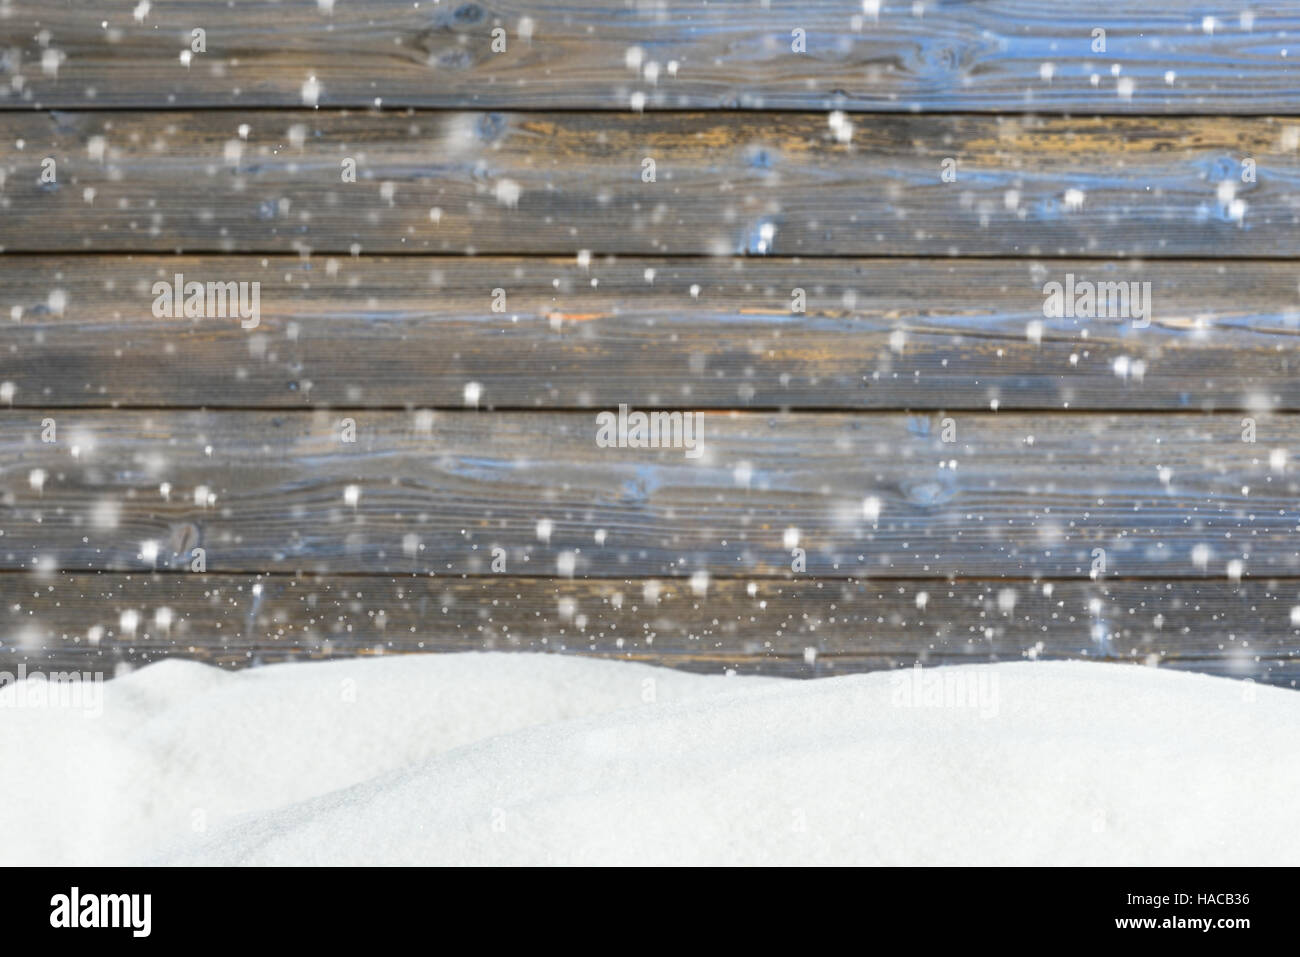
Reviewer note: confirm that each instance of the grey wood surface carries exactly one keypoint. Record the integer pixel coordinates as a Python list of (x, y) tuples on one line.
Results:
[(919, 428), (1013, 495), (799, 628), (725, 184), (401, 332), (1010, 56)]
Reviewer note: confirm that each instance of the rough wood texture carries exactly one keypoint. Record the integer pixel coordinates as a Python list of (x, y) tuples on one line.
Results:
[(799, 628), (879, 495), (740, 183), (1010, 55), (920, 334), (846, 536)]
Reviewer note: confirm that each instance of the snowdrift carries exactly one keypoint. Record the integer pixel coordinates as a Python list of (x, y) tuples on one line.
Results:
[(534, 759)]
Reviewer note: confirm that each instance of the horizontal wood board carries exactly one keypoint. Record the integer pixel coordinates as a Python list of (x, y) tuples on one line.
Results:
[(1009, 56), (724, 184)]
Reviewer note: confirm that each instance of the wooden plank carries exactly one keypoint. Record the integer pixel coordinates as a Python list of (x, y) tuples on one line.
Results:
[(698, 333), (879, 495), (1009, 55), (739, 183), (798, 628)]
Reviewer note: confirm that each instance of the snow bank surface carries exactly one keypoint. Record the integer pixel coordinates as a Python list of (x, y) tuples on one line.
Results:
[(495, 758)]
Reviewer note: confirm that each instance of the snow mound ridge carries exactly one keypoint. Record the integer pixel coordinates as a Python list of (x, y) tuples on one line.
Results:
[(1017, 763), (179, 749)]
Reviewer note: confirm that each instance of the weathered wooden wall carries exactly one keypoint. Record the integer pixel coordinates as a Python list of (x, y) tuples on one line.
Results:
[(951, 462), (883, 55)]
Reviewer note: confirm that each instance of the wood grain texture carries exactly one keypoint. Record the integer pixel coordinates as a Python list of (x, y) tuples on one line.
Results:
[(877, 495), (1023, 506), (738, 183), (1009, 55), (703, 333), (800, 628)]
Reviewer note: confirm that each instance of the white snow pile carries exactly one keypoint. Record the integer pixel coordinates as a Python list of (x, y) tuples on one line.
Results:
[(541, 759)]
